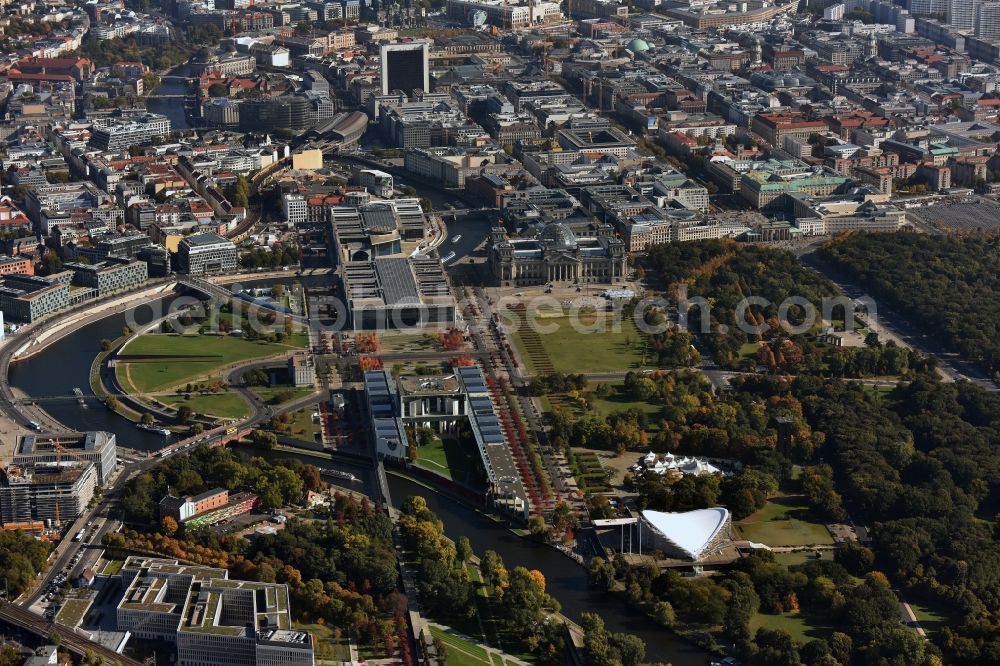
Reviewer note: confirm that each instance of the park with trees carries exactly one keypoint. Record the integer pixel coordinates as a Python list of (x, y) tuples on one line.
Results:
[(945, 284)]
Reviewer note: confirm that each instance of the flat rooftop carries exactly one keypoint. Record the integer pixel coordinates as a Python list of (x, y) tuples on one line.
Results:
[(31, 443), (392, 281), (429, 385)]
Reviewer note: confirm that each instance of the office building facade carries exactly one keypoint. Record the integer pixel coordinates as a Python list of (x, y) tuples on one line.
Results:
[(97, 446), (126, 132), (46, 491), (214, 621), (405, 67), (202, 254)]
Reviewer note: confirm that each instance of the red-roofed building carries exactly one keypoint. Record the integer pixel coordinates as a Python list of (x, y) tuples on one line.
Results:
[(11, 215), (678, 143), (318, 205), (201, 210), (774, 127), (843, 123), (984, 109), (77, 68), (133, 70)]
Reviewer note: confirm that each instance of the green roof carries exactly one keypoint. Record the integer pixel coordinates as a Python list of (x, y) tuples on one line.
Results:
[(638, 45)]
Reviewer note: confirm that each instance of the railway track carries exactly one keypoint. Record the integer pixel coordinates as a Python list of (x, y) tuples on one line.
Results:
[(69, 639)]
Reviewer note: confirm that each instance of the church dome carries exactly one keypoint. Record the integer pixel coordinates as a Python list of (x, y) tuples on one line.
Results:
[(638, 45), (558, 237)]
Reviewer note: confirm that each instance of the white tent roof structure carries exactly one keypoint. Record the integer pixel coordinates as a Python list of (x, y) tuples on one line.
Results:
[(690, 531)]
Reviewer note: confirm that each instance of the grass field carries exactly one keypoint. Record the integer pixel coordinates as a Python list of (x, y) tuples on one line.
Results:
[(72, 612), (619, 402), (222, 405), (407, 342), (269, 393), (177, 359), (463, 652), (591, 476), (791, 559), (569, 350), (802, 626), (302, 426), (113, 567), (934, 619), (327, 645), (451, 459), (784, 521)]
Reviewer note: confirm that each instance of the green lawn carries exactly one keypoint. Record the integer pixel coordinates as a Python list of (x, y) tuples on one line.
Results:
[(72, 612), (451, 459), (326, 644), (432, 456), (802, 626), (222, 405), (407, 342), (619, 402), (269, 393), (113, 567), (461, 652), (176, 359), (784, 521), (566, 349), (933, 619), (801, 557), (591, 475), (302, 426)]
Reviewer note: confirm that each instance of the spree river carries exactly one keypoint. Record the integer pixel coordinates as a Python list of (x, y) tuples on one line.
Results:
[(172, 108), (65, 365)]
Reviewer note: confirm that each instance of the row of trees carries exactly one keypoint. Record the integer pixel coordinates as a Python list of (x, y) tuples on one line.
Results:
[(520, 605), (845, 593), (109, 52), (21, 558), (723, 274), (277, 484), (277, 256), (946, 284), (691, 420), (921, 467)]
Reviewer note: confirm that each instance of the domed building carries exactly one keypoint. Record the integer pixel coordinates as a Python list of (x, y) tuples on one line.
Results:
[(557, 236), (578, 253), (638, 46)]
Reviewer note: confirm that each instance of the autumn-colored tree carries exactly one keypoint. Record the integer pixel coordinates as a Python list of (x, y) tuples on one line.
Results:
[(451, 339), (168, 526), (368, 363), (539, 579), (366, 343)]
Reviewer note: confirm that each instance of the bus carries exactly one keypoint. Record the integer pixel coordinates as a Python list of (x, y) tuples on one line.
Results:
[(35, 425), (79, 535)]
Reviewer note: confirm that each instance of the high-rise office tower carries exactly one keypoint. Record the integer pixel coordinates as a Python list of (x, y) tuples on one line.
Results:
[(962, 14), (988, 21), (928, 7), (405, 67)]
